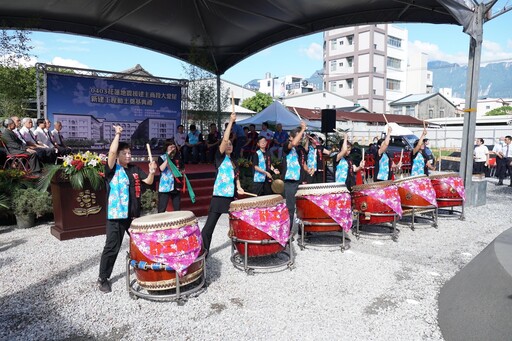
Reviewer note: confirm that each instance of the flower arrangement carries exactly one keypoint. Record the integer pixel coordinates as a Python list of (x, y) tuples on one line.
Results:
[(78, 168)]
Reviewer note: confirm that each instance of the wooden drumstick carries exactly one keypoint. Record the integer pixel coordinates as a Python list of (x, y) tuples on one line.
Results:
[(250, 194), (385, 119), (232, 101), (149, 153)]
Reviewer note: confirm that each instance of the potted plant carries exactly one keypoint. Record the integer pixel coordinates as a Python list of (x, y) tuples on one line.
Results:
[(78, 195), (148, 202), (29, 204)]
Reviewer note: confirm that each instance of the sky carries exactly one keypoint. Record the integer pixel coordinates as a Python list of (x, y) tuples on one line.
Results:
[(300, 57)]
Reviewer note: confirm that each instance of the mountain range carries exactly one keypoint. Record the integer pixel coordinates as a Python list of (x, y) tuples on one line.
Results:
[(495, 79)]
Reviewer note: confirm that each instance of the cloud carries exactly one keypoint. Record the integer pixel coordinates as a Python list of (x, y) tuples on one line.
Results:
[(68, 62), (313, 51), (72, 41), (492, 52), (434, 52)]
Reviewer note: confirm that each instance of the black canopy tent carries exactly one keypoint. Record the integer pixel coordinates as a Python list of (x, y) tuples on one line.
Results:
[(228, 31)]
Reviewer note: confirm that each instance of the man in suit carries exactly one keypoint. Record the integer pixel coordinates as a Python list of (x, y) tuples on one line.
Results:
[(43, 152), (15, 146), (58, 139)]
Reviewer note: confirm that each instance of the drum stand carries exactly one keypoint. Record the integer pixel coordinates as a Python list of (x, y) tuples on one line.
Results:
[(179, 294), (316, 234), (419, 212), (449, 211), (250, 264), (392, 230)]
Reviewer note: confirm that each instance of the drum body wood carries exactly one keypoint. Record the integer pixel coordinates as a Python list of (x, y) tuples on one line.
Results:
[(410, 198), (446, 194), (373, 211), (264, 245), (315, 218), (164, 279)]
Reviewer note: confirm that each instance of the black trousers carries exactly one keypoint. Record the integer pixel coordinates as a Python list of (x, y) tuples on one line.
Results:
[(209, 227), (115, 233), (501, 168), (290, 189), (163, 200)]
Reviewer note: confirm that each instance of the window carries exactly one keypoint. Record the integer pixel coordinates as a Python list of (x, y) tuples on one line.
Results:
[(397, 111), (350, 81), (350, 39), (441, 113), (394, 41), (333, 65), (333, 86), (375, 46), (394, 62), (268, 83), (340, 85), (374, 69), (409, 110), (374, 91), (341, 63), (487, 107), (349, 61), (392, 84), (333, 44), (430, 113)]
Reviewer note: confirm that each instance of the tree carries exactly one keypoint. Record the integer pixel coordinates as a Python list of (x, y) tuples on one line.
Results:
[(258, 102), (202, 90), (14, 47), (17, 83), (505, 110), (17, 87)]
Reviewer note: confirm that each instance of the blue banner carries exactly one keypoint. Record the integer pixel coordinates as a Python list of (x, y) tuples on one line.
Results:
[(88, 107)]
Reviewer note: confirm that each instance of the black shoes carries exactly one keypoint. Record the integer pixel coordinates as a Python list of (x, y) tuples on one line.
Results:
[(104, 285), (500, 183)]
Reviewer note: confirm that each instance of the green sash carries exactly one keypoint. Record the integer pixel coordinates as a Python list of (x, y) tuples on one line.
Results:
[(176, 172)]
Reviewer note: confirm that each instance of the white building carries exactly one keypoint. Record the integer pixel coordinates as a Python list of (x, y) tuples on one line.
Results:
[(280, 87), (368, 64), (317, 100), (79, 127)]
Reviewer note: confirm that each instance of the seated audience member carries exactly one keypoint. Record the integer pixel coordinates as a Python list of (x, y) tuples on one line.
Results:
[(44, 153), (58, 139), (266, 133), (280, 138), (212, 143), (194, 145), (14, 145)]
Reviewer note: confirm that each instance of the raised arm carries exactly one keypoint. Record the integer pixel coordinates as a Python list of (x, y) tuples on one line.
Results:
[(296, 140), (112, 152), (385, 143), (225, 138), (420, 142), (344, 148)]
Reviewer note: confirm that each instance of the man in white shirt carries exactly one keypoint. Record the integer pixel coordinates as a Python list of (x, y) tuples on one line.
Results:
[(500, 162), (57, 138), (44, 153), (40, 135), (481, 157), (505, 158), (265, 132)]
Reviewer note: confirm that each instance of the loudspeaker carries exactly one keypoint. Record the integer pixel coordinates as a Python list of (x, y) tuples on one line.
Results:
[(328, 120)]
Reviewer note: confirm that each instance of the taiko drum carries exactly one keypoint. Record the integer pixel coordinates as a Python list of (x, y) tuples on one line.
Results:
[(371, 210), (446, 194), (243, 230), (410, 198), (314, 217), (163, 279)]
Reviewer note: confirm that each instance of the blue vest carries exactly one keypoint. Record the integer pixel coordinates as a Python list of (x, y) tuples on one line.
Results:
[(260, 177), (225, 181)]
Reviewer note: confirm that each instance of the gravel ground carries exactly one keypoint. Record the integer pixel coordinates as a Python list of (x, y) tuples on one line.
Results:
[(376, 290)]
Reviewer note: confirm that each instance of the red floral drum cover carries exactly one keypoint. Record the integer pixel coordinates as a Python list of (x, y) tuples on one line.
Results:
[(334, 199), (170, 238)]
